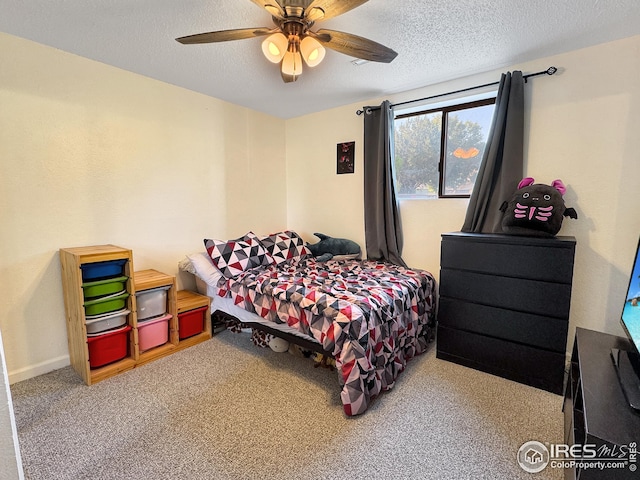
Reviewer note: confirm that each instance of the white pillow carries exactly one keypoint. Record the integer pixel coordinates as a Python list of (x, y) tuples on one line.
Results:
[(204, 268)]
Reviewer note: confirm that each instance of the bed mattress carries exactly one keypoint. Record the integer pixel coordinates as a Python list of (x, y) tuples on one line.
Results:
[(225, 304)]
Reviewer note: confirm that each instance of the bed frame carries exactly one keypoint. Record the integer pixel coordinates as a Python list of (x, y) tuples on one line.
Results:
[(219, 317)]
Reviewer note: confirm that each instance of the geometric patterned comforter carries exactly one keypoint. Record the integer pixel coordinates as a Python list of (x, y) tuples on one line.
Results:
[(372, 316)]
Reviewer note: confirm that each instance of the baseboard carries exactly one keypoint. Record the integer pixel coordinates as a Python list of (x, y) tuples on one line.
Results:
[(38, 369)]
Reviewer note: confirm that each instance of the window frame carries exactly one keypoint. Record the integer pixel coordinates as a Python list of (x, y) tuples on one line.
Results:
[(442, 164)]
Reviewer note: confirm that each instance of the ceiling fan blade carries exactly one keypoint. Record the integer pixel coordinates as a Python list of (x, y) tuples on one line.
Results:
[(325, 9), (354, 46), (225, 35), (271, 6)]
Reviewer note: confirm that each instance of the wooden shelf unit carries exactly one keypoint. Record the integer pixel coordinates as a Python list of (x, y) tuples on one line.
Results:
[(190, 301), (147, 280), (71, 260)]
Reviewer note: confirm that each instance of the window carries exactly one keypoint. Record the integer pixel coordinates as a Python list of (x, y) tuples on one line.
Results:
[(438, 151)]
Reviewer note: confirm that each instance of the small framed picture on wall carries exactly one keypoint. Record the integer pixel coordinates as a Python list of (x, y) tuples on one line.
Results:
[(346, 157)]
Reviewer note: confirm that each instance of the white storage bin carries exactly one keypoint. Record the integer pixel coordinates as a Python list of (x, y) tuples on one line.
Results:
[(100, 323), (152, 302)]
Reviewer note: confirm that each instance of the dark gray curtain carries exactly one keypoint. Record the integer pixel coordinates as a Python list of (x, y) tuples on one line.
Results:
[(382, 225), (502, 163)]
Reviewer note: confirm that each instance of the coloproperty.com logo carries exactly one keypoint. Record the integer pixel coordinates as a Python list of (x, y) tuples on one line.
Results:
[(534, 457)]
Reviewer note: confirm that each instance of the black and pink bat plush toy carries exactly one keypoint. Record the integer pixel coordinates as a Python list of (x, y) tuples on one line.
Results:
[(536, 209)]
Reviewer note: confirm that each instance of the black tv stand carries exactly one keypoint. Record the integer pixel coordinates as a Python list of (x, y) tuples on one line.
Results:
[(627, 365), (595, 410)]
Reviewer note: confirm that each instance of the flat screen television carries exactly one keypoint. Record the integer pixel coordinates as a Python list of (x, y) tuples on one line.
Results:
[(627, 362)]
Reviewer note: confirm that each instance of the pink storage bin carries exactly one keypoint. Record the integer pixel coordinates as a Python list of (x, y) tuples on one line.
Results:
[(153, 332)]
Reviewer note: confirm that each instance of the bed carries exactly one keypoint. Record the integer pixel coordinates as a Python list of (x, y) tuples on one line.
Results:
[(371, 317)]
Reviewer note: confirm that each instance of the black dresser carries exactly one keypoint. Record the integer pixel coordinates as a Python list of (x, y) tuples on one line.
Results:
[(504, 305)]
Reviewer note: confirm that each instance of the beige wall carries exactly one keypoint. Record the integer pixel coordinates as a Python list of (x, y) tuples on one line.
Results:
[(91, 154), (582, 127)]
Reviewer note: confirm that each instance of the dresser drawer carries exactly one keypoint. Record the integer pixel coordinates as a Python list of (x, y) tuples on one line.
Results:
[(529, 329), (545, 259), (528, 365), (522, 295)]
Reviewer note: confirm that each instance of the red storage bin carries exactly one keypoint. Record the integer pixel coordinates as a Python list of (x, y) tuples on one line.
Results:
[(108, 347), (191, 323)]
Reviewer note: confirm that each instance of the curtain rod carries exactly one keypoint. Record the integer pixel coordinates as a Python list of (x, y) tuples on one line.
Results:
[(548, 71)]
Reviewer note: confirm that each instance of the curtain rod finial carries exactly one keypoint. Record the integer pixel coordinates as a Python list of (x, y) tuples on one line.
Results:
[(551, 70)]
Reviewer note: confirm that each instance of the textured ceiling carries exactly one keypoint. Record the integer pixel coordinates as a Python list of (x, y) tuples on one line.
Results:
[(435, 40)]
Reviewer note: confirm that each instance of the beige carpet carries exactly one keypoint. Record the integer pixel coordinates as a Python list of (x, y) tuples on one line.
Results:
[(226, 409)]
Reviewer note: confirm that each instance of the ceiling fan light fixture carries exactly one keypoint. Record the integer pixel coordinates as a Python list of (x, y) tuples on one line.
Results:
[(274, 47), (292, 63), (312, 51), (292, 42)]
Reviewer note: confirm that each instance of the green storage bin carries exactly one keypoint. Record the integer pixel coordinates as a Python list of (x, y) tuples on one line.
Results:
[(100, 288), (107, 304)]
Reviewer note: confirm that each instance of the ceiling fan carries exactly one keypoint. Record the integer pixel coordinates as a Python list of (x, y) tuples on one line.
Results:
[(293, 40)]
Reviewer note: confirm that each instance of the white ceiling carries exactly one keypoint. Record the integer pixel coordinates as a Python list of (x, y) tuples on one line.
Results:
[(436, 41)]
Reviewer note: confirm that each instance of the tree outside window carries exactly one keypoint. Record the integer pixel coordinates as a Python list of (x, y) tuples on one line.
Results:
[(438, 152)]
